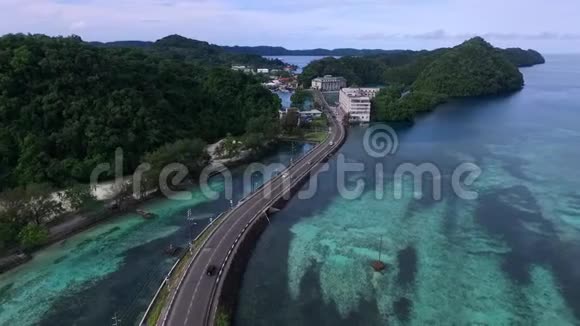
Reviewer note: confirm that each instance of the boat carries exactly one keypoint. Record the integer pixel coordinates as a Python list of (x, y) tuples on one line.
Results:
[(378, 265), (145, 214), (172, 250)]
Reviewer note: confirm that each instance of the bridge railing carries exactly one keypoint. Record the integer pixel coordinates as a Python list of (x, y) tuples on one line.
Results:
[(165, 283), (294, 182), (223, 216)]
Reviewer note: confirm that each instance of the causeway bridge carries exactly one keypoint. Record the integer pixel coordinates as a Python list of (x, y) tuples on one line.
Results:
[(200, 297)]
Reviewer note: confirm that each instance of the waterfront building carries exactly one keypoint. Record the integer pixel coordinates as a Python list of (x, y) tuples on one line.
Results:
[(328, 83), (356, 103)]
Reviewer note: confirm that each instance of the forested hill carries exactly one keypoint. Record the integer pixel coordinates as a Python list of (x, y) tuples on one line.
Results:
[(524, 58), (199, 52), (259, 50), (428, 78), (519, 57), (252, 55), (474, 68), (398, 66), (280, 51), (65, 106)]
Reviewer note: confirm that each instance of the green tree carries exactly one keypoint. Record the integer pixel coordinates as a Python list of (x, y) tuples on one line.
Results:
[(32, 163), (8, 235), (8, 155), (188, 152), (78, 196), (10, 227), (23, 208), (42, 203), (32, 236), (13, 203), (231, 146), (299, 98), (290, 121), (265, 126)]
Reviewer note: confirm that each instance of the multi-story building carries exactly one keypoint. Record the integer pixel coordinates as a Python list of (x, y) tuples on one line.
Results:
[(328, 83), (356, 103)]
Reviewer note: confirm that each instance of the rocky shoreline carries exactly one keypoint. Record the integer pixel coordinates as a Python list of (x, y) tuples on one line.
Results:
[(79, 222)]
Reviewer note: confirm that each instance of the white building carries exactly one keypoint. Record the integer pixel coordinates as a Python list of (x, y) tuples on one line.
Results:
[(356, 102), (263, 70), (328, 83), (311, 114)]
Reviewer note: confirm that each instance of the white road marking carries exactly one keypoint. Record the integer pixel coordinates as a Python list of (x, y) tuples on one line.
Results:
[(276, 185)]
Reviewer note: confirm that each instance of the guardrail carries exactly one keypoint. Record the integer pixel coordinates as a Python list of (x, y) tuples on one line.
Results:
[(285, 189), (221, 217), (171, 271)]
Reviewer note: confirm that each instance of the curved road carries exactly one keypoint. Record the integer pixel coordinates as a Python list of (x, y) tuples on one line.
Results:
[(194, 299)]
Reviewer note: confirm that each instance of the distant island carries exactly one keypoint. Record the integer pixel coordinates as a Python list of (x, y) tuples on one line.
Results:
[(417, 81), (204, 52), (254, 50), (280, 51), (523, 57), (199, 52)]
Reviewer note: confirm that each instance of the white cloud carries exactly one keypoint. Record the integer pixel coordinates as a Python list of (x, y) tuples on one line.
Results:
[(303, 23)]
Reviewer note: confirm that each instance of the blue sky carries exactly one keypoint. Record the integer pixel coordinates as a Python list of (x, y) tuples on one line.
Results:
[(549, 26)]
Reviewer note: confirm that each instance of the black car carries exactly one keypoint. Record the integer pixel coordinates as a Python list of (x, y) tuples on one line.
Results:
[(211, 270)]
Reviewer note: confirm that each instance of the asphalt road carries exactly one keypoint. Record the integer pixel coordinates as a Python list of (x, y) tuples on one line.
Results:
[(193, 301)]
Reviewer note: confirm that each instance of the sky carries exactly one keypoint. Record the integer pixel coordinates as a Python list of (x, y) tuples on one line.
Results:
[(548, 26)]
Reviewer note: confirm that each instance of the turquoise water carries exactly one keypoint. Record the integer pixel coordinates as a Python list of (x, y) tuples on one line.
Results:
[(114, 267), (510, 257), (286, 98), (301, 62)]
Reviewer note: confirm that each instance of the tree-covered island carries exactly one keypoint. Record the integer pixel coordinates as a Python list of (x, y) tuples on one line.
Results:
[(417, 81)]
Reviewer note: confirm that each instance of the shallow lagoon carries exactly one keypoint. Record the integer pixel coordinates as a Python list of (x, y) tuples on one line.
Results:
[(509, 257), (115, 267)]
